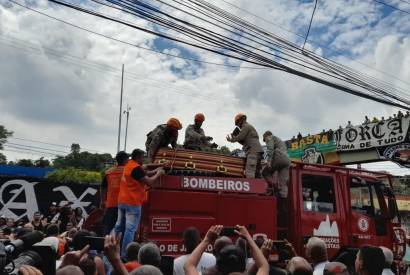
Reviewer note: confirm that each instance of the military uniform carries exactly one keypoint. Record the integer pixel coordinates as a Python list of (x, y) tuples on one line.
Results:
[(249, 138), (195, 138), (159, 137), (277, 156)]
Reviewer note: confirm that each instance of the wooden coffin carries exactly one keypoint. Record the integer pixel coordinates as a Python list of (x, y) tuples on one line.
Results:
[(182, 159)]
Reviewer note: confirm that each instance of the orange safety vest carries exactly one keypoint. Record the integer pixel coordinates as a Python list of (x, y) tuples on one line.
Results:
[(132, 192), (114, 176)]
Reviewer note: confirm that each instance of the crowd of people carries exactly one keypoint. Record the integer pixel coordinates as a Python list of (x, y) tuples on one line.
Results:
[(65, 217), (231, 254), (329, 133)]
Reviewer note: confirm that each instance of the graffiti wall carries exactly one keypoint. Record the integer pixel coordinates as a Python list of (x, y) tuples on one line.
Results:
[(20, 197), (389, 140)]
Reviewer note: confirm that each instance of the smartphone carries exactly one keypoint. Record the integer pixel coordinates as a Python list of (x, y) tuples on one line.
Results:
[(96, 243), (279, 245), (228, 231)]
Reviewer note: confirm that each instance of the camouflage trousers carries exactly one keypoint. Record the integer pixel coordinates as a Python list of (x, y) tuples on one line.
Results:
[(253, 165)]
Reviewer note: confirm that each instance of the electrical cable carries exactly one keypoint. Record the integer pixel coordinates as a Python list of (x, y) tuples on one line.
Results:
[(130, 44), (310, 24), (245, 52), (391, 6)]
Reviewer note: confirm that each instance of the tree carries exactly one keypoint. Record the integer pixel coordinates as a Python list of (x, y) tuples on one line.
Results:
[(41, 162), (73, 175), (83, 160), (4, 134), (25, 162), (3, 159)]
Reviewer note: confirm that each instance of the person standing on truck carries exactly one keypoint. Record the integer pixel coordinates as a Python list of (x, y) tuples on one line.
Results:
[(276, 171), (162, 136), (249, 138), (131, 196), (110, 187), (195, 138)]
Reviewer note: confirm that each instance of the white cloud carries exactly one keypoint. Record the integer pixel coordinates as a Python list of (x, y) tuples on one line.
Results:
[(46, 98)]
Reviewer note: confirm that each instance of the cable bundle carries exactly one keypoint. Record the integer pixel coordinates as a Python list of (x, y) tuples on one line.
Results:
[(202, 25)]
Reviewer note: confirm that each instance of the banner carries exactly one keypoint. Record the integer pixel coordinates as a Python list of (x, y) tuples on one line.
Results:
[(319, 149), (373, 135), (20, 197)]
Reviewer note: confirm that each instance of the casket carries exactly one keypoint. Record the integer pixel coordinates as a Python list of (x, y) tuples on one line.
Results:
[(191, 160)]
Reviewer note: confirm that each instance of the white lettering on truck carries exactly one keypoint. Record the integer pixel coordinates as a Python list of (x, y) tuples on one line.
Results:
[(219, 184)]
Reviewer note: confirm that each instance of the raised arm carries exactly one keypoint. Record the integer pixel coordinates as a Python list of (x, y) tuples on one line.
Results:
[(195, 257)]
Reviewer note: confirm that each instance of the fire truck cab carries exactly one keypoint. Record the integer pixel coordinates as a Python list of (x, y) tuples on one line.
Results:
[(345, 207)]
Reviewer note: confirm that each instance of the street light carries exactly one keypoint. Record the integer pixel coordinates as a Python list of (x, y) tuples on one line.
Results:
[(127, 112)]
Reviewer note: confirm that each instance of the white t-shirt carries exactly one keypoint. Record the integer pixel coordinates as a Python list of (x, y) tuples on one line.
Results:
[(207, 260), (318, 270)]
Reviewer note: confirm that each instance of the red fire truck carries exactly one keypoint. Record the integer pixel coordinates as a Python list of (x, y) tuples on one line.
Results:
[(345, 207)]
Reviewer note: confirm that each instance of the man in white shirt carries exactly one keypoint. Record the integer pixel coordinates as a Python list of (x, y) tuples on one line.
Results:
[(191, 240), (388, 260), (316, 252)]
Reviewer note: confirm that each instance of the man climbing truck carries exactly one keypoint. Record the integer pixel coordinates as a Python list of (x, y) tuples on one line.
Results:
[(346, 208)]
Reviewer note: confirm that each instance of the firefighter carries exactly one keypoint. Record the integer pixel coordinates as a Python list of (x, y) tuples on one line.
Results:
[(110, 187), (133, 193), (249, 138), (276, 171), (162, 136), (195, 138)]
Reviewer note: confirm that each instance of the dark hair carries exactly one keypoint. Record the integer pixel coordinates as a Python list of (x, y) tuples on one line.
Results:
[(79, 241), (88, 266), (372, 258), (136, 153), (231, 259), (121, 157), (191, 239), (132, 251), (52, 230)]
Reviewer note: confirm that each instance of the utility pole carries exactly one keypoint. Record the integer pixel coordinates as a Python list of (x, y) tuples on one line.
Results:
[(119, 123), (127, 112)]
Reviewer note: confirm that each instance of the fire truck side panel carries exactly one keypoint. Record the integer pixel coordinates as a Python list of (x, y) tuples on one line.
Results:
[(168, 213)]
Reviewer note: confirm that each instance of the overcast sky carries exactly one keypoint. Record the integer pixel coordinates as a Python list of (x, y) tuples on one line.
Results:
[(61, 85)]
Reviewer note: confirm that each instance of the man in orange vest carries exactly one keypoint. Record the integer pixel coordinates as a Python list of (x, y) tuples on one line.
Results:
[(132, 195), (110, 187)]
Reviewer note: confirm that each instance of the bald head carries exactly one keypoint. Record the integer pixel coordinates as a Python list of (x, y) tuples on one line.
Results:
[(335, 268), (388, 256), (299, 266), (316, 250), (70, 270), (220, 243)]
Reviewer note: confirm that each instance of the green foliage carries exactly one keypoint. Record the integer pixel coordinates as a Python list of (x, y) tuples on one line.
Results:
[(41, 162), (72, 175), (4, 134), (3, 159), (25, 162), (83, 160)]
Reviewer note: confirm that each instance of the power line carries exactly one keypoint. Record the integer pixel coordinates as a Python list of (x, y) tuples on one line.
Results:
[(313, 42), (36, 147), (310, 24), (102, 68), (48, 143), (131, 44), (391, 6), (233, 48)]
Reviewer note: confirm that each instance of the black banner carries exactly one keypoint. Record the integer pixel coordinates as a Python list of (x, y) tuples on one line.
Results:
[(20, 197)]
